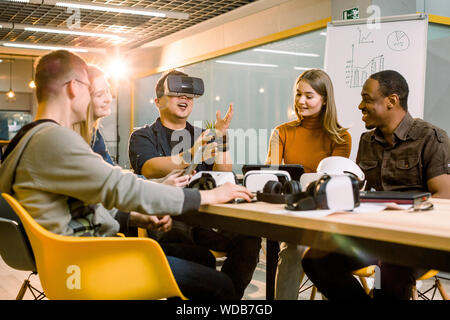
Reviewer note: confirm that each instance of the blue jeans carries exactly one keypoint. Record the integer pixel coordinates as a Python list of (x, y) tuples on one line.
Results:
[(200, 282)]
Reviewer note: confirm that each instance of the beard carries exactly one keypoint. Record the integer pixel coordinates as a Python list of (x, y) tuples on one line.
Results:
[(370, 126)]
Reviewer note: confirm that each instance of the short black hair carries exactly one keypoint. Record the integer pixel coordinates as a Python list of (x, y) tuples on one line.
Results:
[(390, 82), (159, 88)]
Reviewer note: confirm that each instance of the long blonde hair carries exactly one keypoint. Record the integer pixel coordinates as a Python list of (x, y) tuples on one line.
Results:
[(86, 128), (321, 83)]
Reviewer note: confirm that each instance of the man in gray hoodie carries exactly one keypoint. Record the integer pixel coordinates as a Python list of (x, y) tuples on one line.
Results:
[(57, 178)]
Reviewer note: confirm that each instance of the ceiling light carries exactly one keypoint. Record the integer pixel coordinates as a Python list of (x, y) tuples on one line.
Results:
[(288, 52), (73, 32), (78, 32), (121, 9), (10, 95), (109, 8), (46, 47), (117, 68), (32, 84), (323, 33), (248, 64)]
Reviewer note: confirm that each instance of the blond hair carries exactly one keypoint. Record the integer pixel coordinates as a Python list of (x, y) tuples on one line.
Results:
[(87, 127), (321, 83)]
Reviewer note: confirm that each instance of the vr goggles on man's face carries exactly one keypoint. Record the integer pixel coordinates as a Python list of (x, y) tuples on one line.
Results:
[(178, 85)]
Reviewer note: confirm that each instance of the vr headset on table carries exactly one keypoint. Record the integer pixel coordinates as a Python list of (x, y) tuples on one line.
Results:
[(336, 192), (254, 180), (208, 180), (179, 85)]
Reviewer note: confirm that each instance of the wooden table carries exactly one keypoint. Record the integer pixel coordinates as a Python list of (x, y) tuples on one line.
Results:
[(417, 239)]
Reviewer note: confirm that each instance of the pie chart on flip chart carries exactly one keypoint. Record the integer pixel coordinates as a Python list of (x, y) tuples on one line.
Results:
[(398, 41)]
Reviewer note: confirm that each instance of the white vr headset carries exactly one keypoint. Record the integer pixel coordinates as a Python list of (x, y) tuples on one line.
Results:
[(334, 165), (335, 192), (255, 180)]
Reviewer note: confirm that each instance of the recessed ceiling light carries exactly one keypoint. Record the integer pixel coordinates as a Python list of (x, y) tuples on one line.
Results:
[(46, 47)]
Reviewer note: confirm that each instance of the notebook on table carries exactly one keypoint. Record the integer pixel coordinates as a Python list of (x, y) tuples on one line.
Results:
[(294, 170), (409, 197)]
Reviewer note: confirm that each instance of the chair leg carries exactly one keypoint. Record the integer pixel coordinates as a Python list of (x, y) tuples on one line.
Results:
[(302, 275), (23, 289), (414, 293), (37, 294), (364, 284), (264, 251), (441, 290), (313, 293)]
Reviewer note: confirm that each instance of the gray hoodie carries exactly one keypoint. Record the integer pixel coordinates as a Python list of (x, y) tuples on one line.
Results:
[(52, 165)]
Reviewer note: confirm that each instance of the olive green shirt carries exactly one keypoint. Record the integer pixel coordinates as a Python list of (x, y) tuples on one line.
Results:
[(420, 151)]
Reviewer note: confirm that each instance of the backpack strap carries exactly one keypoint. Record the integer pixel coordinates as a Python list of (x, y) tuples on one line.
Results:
[(21, 133)]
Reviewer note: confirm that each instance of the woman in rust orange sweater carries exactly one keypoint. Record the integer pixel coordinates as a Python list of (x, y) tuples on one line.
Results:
[(316, 134)]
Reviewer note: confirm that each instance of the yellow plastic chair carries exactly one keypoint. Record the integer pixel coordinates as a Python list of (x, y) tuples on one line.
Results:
[(360, 273), (437, 285), (72, 268), (364, 273)]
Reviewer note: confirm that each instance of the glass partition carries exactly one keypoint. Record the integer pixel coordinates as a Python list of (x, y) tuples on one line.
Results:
[(258, 81), (437, 84), (11, 122)]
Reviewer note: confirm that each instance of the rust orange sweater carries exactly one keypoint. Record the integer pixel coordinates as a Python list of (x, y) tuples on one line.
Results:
[(305, 142)]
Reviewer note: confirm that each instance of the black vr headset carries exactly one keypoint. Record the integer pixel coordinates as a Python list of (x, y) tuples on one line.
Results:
[(208, 180), (179, 85), (329, 192), (276, 191)]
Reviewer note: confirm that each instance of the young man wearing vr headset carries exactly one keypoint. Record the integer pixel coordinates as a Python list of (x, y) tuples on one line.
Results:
[(171, 142), (402, 154)]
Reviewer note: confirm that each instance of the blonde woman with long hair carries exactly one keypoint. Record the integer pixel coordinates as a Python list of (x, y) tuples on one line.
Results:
[(314, 135), (99, 107)]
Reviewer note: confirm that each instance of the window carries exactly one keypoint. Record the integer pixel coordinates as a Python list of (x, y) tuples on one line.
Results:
[(11, 122)]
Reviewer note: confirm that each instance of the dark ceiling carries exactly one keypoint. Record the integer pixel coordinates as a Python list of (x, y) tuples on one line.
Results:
[(137, 29)]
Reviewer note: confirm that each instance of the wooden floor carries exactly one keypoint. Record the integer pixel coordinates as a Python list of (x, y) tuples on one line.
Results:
[(11, 281)]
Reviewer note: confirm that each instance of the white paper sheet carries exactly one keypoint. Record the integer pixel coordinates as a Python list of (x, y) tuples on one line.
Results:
[(363, 207), (306, 213), (380, 206), (370, 207)]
